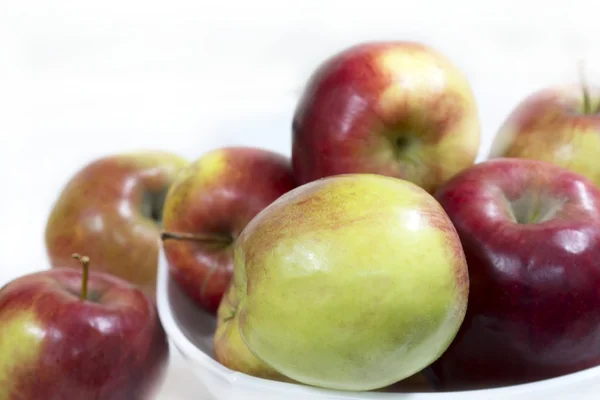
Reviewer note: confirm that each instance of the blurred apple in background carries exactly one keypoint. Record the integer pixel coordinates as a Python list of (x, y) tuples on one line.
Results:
[(111, 211), (399, 109), (531, 234), (560, 125), (63, 339), (352, 282), (206, 209)]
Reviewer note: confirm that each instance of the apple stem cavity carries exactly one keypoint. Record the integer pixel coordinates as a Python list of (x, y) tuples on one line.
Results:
[(85, 266), (587, 103), (196, 237)]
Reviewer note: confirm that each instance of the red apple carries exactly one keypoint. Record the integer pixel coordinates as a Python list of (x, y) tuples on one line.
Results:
[(393, 108), (208, 206), (559, 124), (530, 231), (111, 211), (68, 335)]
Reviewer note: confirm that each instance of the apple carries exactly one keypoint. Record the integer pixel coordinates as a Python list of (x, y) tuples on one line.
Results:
[(350, 282), (394, 108), (530, 231), (558, 124), (111, 210), (65, 334), (228, 346), (207, 207), (231, 351)]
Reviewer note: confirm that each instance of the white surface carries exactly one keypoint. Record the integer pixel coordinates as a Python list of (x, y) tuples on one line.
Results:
[(81, 78), (191, 332)]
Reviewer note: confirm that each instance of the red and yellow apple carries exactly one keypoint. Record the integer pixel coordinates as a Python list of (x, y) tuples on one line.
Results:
[(63, 339), (395, 108), (559, 124), (531, 235), (351, 282), (207, 207), (111, 210)]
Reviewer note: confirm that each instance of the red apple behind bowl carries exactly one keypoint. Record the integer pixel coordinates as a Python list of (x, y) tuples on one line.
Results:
[(531, 235), (393, 108), (206, 209)]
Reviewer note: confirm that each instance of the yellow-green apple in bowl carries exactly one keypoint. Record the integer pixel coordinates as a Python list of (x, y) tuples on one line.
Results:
[(558, 124), (393, 108), (229, 348), (351, 282), (207, 207), (111, 210)]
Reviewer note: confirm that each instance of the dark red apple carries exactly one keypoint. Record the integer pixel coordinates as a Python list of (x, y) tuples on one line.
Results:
[(61, 342), (531, 235)]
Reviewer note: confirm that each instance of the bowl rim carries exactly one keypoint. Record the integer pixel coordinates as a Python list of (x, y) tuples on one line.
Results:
[(191, 353)]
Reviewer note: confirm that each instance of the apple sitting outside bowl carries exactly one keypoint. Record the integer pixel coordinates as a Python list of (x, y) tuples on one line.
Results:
[(207, 207), (352, 282), (530, 231), (69, 334), (560, 125), (111, 210), (393, 108)]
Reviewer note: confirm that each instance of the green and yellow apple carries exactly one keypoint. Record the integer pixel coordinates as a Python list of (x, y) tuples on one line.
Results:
[(351, 282), (393, 108), (229, 347), (559, 124), (231, 351), (111, 210)]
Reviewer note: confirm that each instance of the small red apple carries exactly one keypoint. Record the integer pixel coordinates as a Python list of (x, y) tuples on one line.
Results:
[(208, 206), (68, 335), (392, 108), (530, 231)]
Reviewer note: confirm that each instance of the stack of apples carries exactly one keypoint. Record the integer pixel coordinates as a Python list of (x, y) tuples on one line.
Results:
[(379, 255)]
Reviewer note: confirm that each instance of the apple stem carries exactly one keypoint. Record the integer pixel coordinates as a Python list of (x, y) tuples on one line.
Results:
[(195, 237), (587, 106), (85, 265)]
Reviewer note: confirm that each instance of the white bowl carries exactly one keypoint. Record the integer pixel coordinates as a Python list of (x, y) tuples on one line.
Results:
[(190, 330)]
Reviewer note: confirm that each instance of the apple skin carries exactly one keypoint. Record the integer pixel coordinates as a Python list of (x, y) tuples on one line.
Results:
[(231, 351), (106, 212), (552, 125), (531, 235), (213, 199), (229, 347), (55, 346), (393, 108), (352, 282)]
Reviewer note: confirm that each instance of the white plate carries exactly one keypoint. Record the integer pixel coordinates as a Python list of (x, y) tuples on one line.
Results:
[(190, 330)]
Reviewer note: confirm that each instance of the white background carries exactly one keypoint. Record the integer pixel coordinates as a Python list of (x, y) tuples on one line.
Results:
[(79, 79)]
